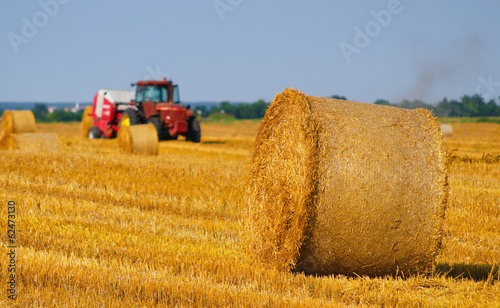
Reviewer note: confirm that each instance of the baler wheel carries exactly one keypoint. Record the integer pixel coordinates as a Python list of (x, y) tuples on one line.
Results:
[(94, 133)]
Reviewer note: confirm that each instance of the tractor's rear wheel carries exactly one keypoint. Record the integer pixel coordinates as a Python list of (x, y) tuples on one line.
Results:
[(94, 133), (129, 117), (194, 131)]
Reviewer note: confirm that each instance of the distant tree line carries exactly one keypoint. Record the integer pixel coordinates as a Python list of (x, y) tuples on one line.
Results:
[(42, 114), (467, 106), (255, 110)]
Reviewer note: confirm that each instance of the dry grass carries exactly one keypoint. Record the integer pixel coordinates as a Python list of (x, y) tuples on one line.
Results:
[(97, 228)]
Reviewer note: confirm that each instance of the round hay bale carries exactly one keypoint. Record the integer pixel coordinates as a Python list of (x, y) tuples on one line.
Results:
[(138, 139), (340, 187), (36, 142), (19, 121), (87, 121), (446, 129)]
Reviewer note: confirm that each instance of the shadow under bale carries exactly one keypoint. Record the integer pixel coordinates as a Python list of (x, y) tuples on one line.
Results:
[(476, 272)]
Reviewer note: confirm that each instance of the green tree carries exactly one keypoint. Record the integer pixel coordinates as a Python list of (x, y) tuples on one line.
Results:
[(40, 111), (260, 108), (339, 97), (489, 109), (227, 107), (442, 108), (473, 106), (61, 115), (415, 104), (382, 102), (203, 110), (455, 109)]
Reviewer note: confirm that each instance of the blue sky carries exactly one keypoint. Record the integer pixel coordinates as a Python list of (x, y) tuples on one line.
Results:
[(242, 50)]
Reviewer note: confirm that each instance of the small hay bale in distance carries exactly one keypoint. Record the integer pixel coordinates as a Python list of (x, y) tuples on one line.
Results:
[(446, 129), (341, 187), (32, 142), (18, 122), (138, 139), (87, 121)]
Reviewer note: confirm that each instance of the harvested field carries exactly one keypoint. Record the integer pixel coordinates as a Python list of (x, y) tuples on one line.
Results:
[(98, 228)]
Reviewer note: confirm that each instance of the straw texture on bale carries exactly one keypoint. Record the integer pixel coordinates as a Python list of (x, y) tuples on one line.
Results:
[(446, 129), (340, 187), (36, 142), (87, 121), (138, 139), (17, 122)]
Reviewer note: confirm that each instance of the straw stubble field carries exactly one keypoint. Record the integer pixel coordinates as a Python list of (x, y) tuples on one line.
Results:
[(97, 228)]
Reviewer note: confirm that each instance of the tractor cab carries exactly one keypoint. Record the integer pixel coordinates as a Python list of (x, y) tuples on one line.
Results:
[(157, 99), (157, 92)]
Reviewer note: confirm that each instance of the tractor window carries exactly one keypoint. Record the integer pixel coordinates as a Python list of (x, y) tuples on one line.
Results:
[(151, 93), (175, 96)]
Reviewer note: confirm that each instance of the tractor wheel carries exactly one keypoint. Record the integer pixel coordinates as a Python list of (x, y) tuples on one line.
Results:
[(194, 131), (129, 117), (94, 133), (159, 128)]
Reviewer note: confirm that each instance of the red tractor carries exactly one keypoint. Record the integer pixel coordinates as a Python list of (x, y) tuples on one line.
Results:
[(155, 102)]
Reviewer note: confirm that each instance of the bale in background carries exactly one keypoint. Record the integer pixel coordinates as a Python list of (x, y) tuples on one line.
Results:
[(446, 129), (17, 122), (340, 187), (138, 139), (87, 121), (31, 142)]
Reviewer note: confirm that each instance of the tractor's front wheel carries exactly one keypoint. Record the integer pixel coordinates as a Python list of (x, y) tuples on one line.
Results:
[(194, 131), (94, 133)]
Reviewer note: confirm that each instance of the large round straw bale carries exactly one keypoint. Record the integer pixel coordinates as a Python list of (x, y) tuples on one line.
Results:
[(87, 121), (36, 142), (138, 139), (446, 129), (19, 121), (340, 187)]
